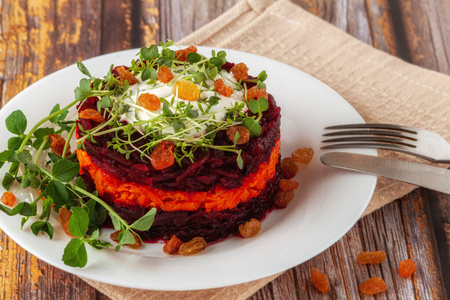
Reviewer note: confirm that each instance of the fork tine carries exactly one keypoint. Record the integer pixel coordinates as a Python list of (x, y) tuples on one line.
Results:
[(370, 132), (375, 125), (394, 147), (369, 139)]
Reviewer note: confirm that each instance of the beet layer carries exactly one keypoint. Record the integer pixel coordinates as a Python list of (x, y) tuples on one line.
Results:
[(212, 226)]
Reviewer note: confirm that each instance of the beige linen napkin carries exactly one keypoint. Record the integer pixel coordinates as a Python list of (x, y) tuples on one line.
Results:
[(382, 88)]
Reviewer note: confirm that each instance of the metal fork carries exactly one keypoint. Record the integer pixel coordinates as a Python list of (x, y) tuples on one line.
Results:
[(419, 142)]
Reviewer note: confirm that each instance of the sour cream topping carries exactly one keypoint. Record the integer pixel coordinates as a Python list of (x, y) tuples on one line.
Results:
[(213, 110)]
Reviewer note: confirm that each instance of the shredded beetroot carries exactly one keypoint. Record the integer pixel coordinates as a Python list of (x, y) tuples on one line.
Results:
[(204, 173), (212, 226)]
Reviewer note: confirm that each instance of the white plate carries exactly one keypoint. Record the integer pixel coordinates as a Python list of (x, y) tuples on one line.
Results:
[(326, 206)]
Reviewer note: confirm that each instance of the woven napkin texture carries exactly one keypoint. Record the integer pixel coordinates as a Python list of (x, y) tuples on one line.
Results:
[(382, 88)]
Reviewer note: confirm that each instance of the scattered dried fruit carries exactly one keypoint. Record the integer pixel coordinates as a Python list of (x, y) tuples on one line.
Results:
[(406, 268), (91, 114), (124, 74), (372, 286), (8, 198), (172, 246), (250, 228), (371, 257), (288, 168), (255, 93), (222, 88), (64, 216), (282, 198), (186, 90), (287, 185), (137, 242), (149, 101), (320, 281), (194, 246), (164, 74), (57, 143), (303, 155), (240, 71), (244, 134), (181, 54), (162, 156)]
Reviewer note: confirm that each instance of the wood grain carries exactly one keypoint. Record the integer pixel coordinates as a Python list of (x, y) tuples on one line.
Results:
[(39, 37)]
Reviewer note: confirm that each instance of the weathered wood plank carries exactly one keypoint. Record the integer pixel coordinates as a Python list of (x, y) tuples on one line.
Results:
[(440, 216), (179, 18)]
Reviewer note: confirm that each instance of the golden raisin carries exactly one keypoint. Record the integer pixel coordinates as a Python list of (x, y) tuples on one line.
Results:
[(162, 156), (186, 90), (182, 54), (371, 257), (194, 246), (165, 74), (406, 268), (303, 155), (124, 74), (137, 241), (222, 88), (287, 185), (240, 71), (288, 168), (57, 143), (244, 134), (320, 281), (64, 216), (282, 198), (8, 198), (172, 246), (149, 101), (91, 114), (372, 286), (255, 93), (250, 228)]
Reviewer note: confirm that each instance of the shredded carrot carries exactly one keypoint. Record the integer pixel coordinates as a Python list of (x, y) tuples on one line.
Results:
[(130, 193)]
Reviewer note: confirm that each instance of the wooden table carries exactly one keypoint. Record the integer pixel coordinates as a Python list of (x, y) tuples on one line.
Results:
[(40, 37)]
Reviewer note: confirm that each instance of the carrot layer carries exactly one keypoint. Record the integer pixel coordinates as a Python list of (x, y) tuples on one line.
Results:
[(130, 193)]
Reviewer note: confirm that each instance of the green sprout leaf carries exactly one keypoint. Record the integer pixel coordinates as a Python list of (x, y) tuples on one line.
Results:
[(145, 222), (41, 226), (58, 192), (115, 221), (212, 73), (253, 126), (154, 52), (217, 61), (75, 254), (262, 76), (14, 143), (65, 170), (78, 222), (7, 181), (190, 113), (106, 102), (84, 90), (193, 57), (83, 69), (199, 77), (16, 122), (145, 52)]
